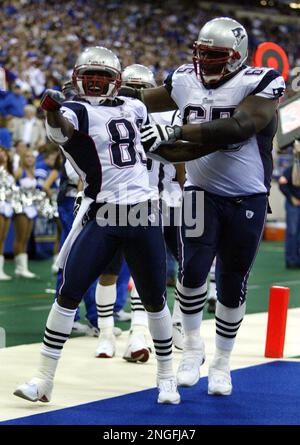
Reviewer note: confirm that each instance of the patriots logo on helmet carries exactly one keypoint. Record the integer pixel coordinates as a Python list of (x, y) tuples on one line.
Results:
[(239, 34)]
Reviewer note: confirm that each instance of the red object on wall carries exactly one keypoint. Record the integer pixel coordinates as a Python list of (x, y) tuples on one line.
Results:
[(271, 55)]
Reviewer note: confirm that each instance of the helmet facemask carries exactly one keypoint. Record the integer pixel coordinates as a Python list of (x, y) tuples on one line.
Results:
[(212, 64), (96, 83)]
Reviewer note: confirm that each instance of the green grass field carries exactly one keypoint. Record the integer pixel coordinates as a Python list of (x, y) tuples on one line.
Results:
[(24, 303)]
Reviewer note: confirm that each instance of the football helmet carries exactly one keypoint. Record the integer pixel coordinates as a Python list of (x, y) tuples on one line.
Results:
[(97, 74), (221, 49), (138, 76)]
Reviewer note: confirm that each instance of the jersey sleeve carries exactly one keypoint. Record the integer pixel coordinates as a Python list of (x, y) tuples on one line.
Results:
[(177, 82), (71, 173), (168, 82), (270, 86), (141, 111), (70, 115)]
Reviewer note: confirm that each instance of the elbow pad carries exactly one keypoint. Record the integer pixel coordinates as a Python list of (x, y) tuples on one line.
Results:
[(237, 128), (55, 135)]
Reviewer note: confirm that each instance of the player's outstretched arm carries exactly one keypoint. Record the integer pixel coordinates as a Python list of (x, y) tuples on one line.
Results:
[(58, 128), (156, 99), (250, 117), (181, 151)]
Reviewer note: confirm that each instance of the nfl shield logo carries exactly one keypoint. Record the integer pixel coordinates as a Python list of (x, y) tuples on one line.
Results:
[(249, 214)]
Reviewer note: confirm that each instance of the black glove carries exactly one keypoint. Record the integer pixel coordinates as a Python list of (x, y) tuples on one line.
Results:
[(77, 203), (52, 100)]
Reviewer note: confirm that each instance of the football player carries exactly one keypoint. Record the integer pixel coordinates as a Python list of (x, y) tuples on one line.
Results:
[(164, 179), (229, 120), (99, 134)]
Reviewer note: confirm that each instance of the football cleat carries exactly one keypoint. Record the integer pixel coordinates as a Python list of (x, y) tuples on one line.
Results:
[(137, 349), (219, 382), (167, 391), (117, 331), (122, 316), (178, 336), (35, 390), (106, 347), (92, 331), (188, 373), (80, 328)]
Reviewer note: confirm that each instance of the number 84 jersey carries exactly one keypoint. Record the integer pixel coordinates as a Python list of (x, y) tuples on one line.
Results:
[(106, 150), (240, 169)]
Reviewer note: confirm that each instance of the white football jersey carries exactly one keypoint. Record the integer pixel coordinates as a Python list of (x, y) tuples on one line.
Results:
[(106, 151), (163, 176), (246, 168)]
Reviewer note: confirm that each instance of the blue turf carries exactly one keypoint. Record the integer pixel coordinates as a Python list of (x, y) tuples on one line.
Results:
[(266, 394)]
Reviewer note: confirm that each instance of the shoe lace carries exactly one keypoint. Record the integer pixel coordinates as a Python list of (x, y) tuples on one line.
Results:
[(221, 376), (167, 385), (190, 360)]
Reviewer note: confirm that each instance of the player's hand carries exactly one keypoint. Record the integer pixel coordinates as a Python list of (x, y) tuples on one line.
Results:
[(295, 201), (77, 203), (129, 92), (52, 100), (154, 135)]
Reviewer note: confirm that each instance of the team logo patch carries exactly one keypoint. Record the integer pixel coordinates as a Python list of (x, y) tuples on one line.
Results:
[(239, 34), (249, 214)]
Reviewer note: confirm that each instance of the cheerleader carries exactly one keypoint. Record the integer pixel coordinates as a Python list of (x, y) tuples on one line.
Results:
[(6, 210), (23, 222)]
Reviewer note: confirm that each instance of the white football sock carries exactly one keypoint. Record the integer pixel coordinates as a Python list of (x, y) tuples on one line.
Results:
[(58, 328), (160, 326), (138, 314), (105, 300), (192, 301), (228, 321)]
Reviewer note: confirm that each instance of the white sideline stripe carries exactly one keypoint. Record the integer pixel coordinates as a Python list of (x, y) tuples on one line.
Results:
[(40, 308), (286, 282), (82, 379)]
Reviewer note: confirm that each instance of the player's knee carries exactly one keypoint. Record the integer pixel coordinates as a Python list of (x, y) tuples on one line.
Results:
[(67, 302), (107, 279)]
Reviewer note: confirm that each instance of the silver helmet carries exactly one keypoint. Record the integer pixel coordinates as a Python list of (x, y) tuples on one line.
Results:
[(138, 76), (221, 49), (97, 74)]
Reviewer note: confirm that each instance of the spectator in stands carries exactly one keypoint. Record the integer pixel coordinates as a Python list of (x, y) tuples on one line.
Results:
[(40, 42), (47, 172), (5, 138), (29, 129), (12, 103), (16, 153), (289, 184), (6, 211), (23, 222), (36, 77)]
